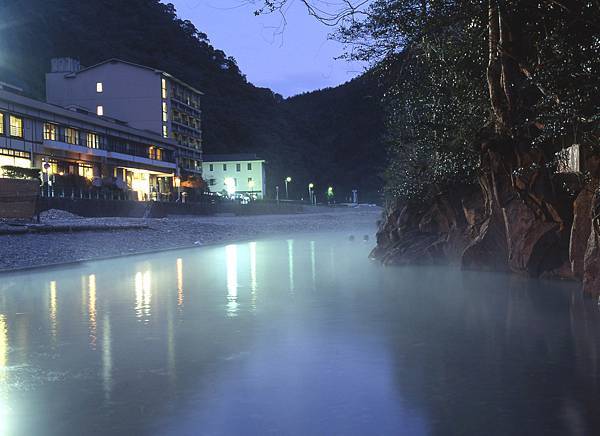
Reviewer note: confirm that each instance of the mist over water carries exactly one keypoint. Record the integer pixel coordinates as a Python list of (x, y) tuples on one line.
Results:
[(293, 337)]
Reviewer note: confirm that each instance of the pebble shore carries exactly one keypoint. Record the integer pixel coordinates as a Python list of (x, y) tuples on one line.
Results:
[(32, 250)]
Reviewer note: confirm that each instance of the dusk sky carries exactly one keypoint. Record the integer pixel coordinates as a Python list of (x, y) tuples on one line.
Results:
[(299, 59)]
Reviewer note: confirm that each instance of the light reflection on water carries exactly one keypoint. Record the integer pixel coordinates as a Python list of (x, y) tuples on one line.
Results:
[(173, 343)]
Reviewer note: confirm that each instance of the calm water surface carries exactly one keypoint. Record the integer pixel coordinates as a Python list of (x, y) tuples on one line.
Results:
[(293, 337)]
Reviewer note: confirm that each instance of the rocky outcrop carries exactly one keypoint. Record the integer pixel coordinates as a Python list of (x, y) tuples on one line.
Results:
[(522, 218), (591, 263)]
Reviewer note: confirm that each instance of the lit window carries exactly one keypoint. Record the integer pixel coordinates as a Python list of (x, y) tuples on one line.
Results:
[(100, 110), (163, 88), (210, 167), (224, 167), (93, 141), (249, 167), (238, 167), (1, 123), (71, 136), (99, 87), (165, 132), (50, 132), (165, 113), (16, 126)]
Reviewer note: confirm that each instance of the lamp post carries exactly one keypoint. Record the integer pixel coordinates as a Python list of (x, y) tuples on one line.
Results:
[(287, 180), (310, 191)]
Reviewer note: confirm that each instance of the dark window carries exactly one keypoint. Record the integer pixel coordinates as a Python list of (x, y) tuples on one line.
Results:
[(224, 167), (249, 167), (210, 167), (238, 167)]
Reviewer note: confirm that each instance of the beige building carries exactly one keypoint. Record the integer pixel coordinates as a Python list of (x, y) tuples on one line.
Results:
[(80, 152), (143, 97)]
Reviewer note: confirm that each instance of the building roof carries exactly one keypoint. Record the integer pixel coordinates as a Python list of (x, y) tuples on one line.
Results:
[(157, 71), (230, 157)]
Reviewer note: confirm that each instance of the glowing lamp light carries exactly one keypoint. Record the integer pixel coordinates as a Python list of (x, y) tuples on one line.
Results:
[(177, 182), (311, 185), (230, 186), (288, 179), (251, 184)]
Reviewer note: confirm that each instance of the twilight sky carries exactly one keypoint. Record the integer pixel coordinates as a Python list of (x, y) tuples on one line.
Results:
[(299, 59)]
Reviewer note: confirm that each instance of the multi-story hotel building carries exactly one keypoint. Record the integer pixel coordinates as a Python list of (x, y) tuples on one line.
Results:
[(144, 97), (75, 147)]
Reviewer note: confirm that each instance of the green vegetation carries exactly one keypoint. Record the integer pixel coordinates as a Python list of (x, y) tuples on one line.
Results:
[(462, 75), (331, 137), (13, 172)]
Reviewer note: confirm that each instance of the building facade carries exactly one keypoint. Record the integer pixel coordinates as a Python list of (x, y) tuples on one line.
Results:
[(235, 174), (78, 152), (143, 97)]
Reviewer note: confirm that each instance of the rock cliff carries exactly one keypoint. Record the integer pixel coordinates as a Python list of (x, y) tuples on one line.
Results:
[(521, 216)]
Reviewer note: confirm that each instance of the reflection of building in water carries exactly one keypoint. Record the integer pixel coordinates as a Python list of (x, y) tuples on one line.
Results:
[(290, 243), (253, 284), (180, 282), (232, 280), (52, 312), (143, 294), (107, 360), (92, 310)]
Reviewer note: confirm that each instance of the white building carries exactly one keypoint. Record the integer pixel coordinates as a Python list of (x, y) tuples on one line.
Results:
[(235, 174)]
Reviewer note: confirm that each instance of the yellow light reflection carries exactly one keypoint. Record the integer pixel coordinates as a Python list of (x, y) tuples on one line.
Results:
[(290, 243), (232, 280), (4, 402), (3, 348), (180, 282), (253, 283), (53, 311), (92, 310)]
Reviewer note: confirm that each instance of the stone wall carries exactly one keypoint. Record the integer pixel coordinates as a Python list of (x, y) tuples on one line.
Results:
[(18, 198)]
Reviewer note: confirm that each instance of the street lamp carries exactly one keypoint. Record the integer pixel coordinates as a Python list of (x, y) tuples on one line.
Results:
[(310, 191), (288, 179)]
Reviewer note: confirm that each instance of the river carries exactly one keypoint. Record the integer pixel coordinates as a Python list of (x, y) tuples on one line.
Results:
[(301, 336)]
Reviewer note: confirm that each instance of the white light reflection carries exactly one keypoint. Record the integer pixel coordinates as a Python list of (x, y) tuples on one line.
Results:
[(107, 360), (232, 280), (53, 312), (313, 264), (253, 283), (143, 295), (290, 243), (179, 282), (92, 310)]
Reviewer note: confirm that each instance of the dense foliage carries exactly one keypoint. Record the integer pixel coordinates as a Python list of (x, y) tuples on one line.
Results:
[(319, 137), (461, 72)]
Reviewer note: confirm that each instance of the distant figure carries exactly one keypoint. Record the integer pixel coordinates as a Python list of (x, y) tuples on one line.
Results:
[(351, 238), (366, 238)]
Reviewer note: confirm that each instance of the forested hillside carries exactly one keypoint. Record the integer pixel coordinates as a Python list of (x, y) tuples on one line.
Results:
[(329, 137)]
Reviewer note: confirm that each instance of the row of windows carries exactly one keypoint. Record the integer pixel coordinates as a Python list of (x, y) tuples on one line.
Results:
[(15, 153), (238, 167), (70, 135), (15, 126)]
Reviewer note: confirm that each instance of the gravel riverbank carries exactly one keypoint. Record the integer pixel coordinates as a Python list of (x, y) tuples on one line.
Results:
[(31, 250)]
